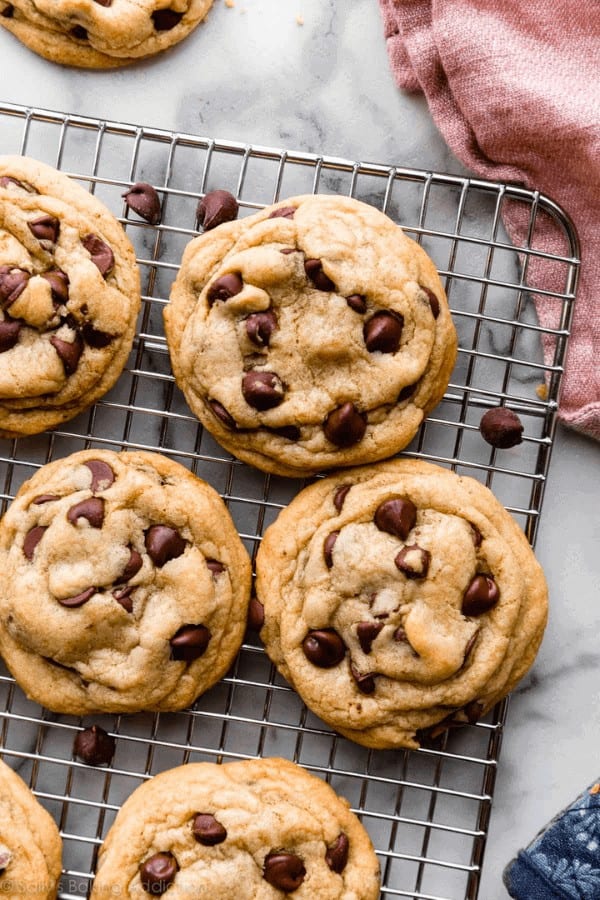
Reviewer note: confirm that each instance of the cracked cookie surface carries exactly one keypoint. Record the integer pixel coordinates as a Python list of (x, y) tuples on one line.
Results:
[(257, 830), (310, 335), (398, 599), (123, 584), (69, 297), (30, 844)]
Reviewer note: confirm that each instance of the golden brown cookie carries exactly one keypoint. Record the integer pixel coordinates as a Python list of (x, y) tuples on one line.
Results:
[(311, 335), (397, 597)]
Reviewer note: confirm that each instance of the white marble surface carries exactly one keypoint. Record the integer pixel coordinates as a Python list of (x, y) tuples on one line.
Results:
[(252, 73)]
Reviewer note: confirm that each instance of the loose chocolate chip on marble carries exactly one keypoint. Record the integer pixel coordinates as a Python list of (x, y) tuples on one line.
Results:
[(366, 633), (314, 270), (143, 200), (407, 392), (78, 599), (284, 212), (413, 561), (132, 567), (336, 856), (328, 545), (501, 428), (45, 228), (396, 516), (225, 287), (476, 535), (91, 509), (481, 596), (284, 871), (164, 543), (289, 432), (7, 13), (215, 567), (166, 19), (124, 598), (101, 254), (260, 326), (262, 390), (5, 858), (324, 648), (433, 301), (9, 334), (365, 683), (256, 614), (79, 32), (158, 873), (102, 474), (223, 415), (190, 642), (215, 208), (94, 337), (207, 830), (357, 302), (383, 332), (94, 746), (345, 426), (340, 495), (69, 352), (32, 539), (45, 498), (13, 282), (59, 285)]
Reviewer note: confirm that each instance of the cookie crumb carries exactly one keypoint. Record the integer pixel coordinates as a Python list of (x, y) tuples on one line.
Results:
[(595, 789), (542, 391), (299, 20), (230, 3)]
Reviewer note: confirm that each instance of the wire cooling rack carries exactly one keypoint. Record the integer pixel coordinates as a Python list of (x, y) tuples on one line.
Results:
[(427, 811)]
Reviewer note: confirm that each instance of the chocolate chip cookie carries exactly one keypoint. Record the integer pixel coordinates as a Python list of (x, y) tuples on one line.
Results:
[(101, 34), (123, 584), (311, 335), (30, 845), (399, 600), (253, 830), (69, 297)]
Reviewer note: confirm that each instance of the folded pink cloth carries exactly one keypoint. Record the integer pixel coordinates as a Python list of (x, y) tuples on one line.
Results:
[(514, 87)]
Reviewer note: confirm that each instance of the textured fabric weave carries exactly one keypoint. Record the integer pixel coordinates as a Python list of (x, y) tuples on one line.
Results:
[(514, 88)]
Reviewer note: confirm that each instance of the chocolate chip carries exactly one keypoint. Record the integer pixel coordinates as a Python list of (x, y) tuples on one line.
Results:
[(215, 567), (396, 517), (407, 392), (433, 301), (59, 285), (13, 282), (284, 871), (413, 561), (260, 326), (262, 390), (400, 636), (336, 856), (215, 208), (366, 633), (166, 19), (284, 212), (225, 287), (44, 498), (163, 543), (470, 644), (102, 474), (143, 200), (5, 858), (78, 599), (7, 13), (328, 544), (289, 432), (207, 830), (69, 352), (103, 2), (94, 746), (94, 337), (124, 598), (324, 648), (132, 567), (190, 642), (340, 495), (383, 332), (45, 228), (7, 180), (256, 614), (158, 873), (9, 334), (501, 428), (32, 539), (345, 426), (91, 509), (365, 683), (101, 254), (221, 413), (473, 711), (357, 302), (481, 596), (314, 270), (287, 250), (79, 32), (476, 535)]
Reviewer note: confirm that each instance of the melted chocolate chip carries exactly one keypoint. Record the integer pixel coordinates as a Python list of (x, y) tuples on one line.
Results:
[(262, 390), (32, 539), (132, 567), (256, 614), (8, 13), (143, 200), (501, 428), (473, 711), (158, 873), (366, 633), (45, 228), (400, 636), (94, 746), (79, 32), (94, 337), (207, 830), (78, 599), (328, 545), (223, 415), (433, 301), (124, 598), (102, 474), (284, 212), (9, 334), (345, 426), (69, 352), (215, 567), (340, 495), (476, 535), (289, 432), (103, 2), (215, 208), (383, 332), (190, 642), (314, 270), (284, 871), (5, 854), (407, 392), (59, 285), (481, 596), (413, 561), (225, 287), (287, 250), (324, 648), (91, 509), (45, 498), (13, 282), (357, 302), (470, 644), (396, 517), (101, 254), (260, 326), (365, 683), (163, 543), (166, 19), (336, 856)]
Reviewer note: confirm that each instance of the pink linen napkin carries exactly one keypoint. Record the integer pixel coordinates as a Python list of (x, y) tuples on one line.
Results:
[(514, 87)]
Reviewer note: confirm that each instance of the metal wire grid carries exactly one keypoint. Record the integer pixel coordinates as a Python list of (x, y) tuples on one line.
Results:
[(427, 811)]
